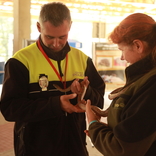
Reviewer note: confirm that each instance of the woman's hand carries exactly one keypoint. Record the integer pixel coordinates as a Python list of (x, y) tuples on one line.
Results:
[(90, 114)]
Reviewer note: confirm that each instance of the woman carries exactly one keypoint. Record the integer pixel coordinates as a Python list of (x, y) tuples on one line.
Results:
[(131, 126)]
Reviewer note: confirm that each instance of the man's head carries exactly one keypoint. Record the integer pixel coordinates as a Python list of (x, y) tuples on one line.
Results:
[(55, 13), (54, 25)]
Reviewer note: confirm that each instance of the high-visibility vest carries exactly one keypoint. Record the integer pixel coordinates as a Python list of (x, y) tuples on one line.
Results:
[(35, 62)]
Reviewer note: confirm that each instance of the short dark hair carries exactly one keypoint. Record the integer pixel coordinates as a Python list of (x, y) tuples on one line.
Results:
[(55, 13)]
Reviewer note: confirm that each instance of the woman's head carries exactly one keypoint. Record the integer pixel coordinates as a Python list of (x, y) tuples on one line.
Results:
[(136, 31)]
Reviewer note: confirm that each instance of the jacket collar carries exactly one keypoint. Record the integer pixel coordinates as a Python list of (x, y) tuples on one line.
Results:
[(138, 69), (58, 56)]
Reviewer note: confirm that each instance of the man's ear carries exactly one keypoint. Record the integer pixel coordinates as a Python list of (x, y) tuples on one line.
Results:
[(138, 46), (38, 26), (70, 25)]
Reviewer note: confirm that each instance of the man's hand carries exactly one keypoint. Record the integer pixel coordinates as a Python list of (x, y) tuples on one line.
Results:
[(67, 106), (77, 87), (85, 82)]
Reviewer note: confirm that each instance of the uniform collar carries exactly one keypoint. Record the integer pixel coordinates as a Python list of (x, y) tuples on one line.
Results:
[(58, 56), (138, 69)]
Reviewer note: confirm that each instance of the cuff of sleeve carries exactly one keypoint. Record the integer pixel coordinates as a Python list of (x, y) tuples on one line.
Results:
[(92, 122)]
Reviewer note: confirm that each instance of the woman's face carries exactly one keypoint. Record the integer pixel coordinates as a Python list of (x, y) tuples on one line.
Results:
[(129, 53)]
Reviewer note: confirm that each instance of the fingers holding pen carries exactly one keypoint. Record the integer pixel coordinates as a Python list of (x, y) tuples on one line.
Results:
[(75, 86), (85, 81)]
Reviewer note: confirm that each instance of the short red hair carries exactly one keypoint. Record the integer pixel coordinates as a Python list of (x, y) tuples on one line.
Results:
[(136, 26)]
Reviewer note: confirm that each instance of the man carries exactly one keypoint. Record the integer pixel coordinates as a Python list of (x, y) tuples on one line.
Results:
[(40, 90)]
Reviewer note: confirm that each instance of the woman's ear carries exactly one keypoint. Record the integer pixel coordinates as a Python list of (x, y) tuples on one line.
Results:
[(138, 45)]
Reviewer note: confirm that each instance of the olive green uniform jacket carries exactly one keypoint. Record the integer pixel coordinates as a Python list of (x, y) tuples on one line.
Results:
[(131, 129)]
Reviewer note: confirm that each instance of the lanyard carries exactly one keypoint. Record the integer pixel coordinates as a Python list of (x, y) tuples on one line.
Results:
[(51, 64)]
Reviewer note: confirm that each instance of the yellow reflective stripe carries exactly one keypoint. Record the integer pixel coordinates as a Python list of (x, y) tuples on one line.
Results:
[(34, 61)]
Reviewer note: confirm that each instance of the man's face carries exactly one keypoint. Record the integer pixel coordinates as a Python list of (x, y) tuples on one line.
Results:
[(53, 37)]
